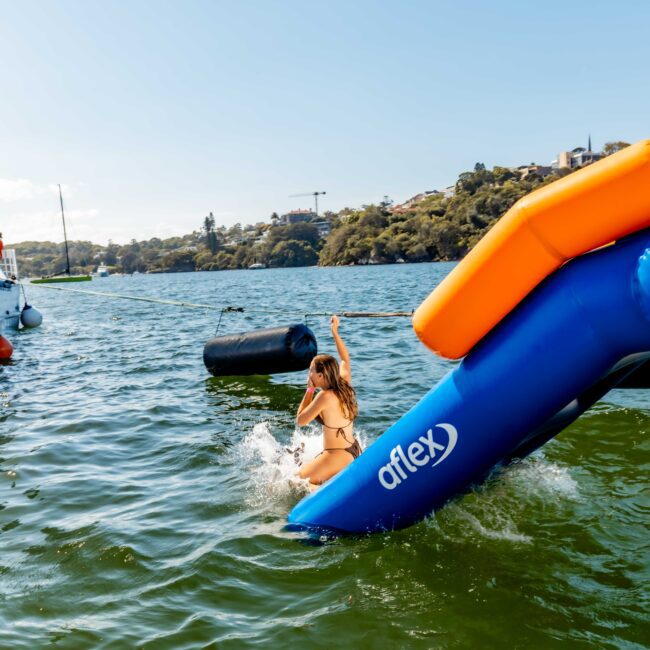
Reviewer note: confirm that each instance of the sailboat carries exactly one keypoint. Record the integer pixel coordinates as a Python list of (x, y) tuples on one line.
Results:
[(65, 277)]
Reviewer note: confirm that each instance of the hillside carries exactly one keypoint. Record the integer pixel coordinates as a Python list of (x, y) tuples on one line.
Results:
[(441, 226)]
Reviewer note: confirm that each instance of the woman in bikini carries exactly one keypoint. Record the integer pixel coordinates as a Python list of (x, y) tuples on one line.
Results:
[(335, 407)]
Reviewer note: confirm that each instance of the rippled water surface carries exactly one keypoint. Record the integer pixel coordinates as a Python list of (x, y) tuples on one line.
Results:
[(142, 503)]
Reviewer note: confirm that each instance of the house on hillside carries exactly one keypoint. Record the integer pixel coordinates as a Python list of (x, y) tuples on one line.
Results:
[(296, 216), (324, 228), (578, 157), (409, 204), (538, 170)]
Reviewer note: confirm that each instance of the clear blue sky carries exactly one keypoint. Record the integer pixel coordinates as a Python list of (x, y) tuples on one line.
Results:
[(153, 113)]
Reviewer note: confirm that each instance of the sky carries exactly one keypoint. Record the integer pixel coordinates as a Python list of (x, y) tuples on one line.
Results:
[(151, 114)]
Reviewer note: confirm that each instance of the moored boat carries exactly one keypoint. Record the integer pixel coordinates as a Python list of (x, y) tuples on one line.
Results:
[(61, 278), (9, 291), (66, 276), (12, 315), (102, 271)]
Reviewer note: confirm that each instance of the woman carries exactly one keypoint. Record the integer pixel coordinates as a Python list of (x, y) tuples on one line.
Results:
[(335, 407)]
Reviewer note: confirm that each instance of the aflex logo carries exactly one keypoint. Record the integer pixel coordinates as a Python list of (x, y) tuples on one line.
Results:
[(393, 473)]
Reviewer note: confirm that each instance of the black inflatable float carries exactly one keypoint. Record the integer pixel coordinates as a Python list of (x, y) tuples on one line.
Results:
[(261, 352), (630, 372)]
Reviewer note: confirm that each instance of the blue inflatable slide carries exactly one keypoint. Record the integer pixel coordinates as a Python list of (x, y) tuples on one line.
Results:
[(581, 331)]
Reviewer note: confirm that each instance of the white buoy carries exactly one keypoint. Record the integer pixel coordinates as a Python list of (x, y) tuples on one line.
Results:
[(30, 317)]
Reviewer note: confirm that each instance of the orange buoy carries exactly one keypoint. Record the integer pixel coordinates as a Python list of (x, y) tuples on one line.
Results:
[(6, 349)]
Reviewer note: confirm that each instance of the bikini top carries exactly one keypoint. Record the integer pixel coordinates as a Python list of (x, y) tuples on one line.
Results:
[(340, 431)]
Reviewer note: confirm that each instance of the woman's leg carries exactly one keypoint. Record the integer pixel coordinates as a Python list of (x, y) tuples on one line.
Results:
[(326, 465), (307, 468)]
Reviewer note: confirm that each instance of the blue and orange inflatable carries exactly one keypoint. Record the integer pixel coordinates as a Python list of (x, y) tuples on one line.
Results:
[(548, 325)]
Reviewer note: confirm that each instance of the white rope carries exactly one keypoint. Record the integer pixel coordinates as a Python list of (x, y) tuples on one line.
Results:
[(177, 303), (193, 305)]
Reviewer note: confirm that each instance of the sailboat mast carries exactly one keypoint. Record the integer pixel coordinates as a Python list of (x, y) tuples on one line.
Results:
[(65, 236)]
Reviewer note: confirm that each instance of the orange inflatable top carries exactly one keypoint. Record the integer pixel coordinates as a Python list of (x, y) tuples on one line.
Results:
[(585, 210)]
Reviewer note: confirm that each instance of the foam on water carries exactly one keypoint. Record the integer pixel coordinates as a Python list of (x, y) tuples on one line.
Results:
[(538, 476), (497, 508), (271, 466), (500, 527), (472, 522)]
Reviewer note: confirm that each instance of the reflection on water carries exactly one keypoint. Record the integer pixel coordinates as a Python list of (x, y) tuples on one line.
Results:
[(254, 391)]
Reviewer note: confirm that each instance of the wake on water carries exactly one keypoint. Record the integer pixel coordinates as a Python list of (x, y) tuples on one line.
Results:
[(496, 508)]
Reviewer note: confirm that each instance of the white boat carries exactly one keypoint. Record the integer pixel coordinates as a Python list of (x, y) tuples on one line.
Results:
[(257, 265), (102, 271), (9, 291)]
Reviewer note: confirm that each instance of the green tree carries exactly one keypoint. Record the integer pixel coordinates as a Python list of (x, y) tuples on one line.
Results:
[(178, 261), (223, 260), (211, 241), (293, 253), (110, 256), (129, 262), (301, 231), (612, 147)]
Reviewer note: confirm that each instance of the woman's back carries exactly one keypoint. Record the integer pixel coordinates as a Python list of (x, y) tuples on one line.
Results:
[(338, 428)]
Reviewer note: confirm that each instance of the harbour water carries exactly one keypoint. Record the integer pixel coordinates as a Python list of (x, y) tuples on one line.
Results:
[(143, 503)]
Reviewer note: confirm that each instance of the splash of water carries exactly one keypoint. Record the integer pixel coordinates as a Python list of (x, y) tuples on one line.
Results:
[(497, 509), (537, 475), (272, 466)]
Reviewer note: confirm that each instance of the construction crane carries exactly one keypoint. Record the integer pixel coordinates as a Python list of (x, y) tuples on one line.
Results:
[(314, 194)]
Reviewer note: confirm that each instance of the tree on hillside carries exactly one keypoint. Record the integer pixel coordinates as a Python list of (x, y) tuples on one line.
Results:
[(223, 260), (211, 241), (110, 256), (334, 251), (503, 174), (612, 147), (177, 261), (301, 231), (293, 253), (129, 261), (373, 216), (471, 181)]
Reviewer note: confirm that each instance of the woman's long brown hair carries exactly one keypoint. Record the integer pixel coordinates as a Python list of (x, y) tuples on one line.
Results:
[(329, 366)]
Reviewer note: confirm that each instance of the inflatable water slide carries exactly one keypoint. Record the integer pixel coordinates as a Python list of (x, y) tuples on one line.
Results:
[(549, 312)]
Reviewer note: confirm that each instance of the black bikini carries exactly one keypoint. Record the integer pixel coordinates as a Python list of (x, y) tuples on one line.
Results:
[(354, 449)]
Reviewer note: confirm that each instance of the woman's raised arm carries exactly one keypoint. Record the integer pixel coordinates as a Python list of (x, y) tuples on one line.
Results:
[(346, 370)]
